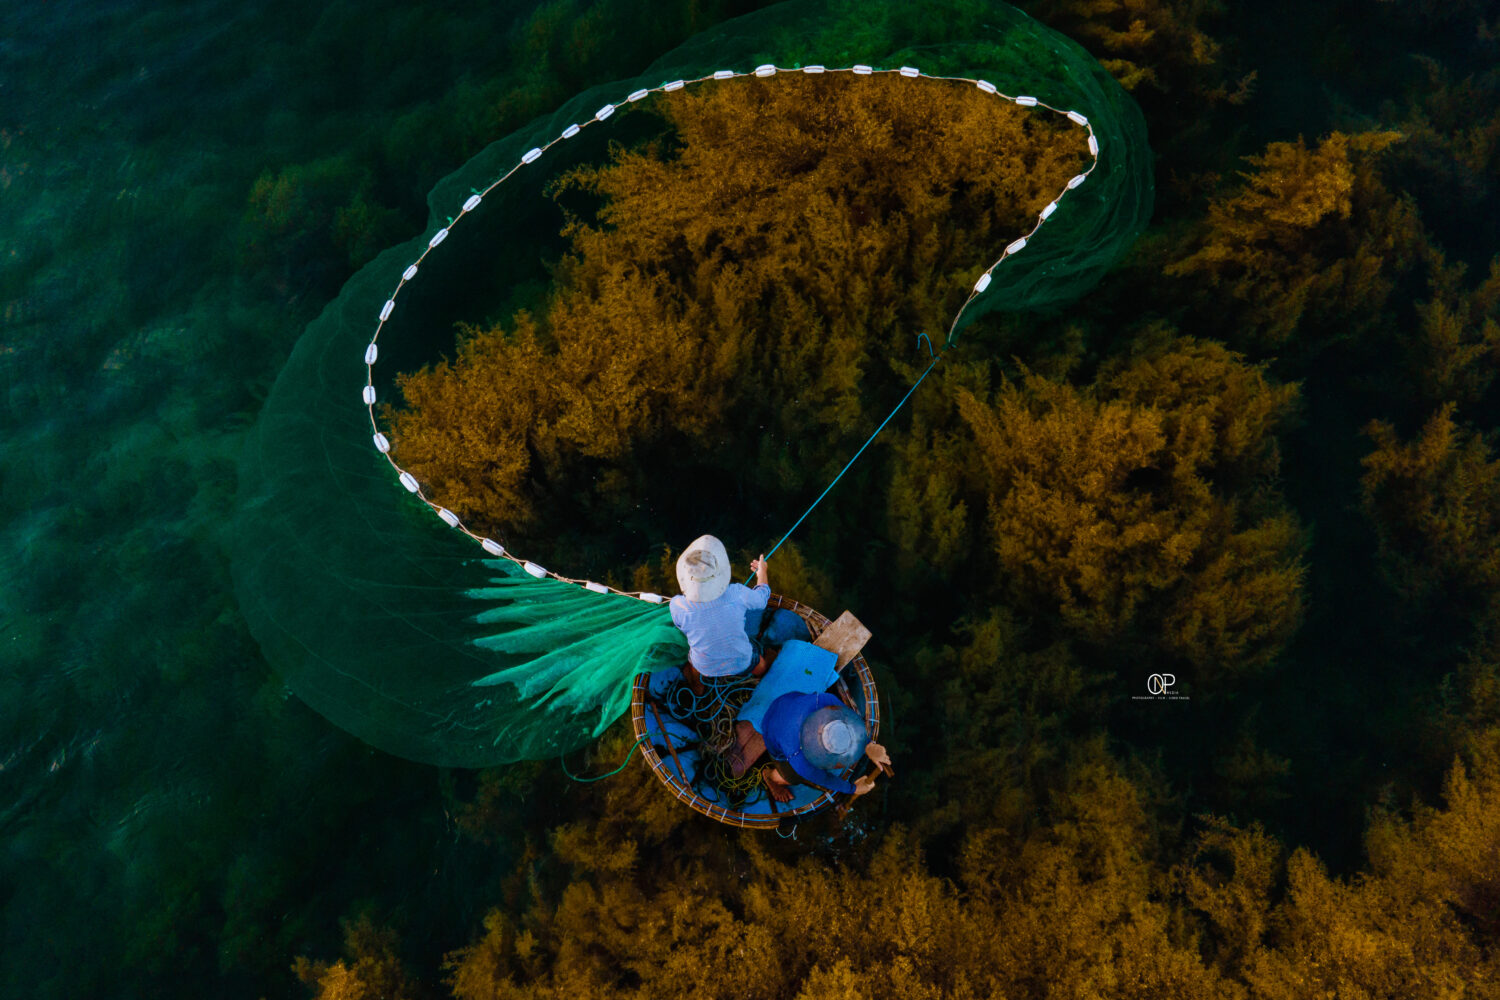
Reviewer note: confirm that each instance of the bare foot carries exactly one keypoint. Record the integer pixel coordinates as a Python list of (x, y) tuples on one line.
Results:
[(779, 788)]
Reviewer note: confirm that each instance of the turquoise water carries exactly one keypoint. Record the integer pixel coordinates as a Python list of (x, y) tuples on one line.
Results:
[(160, 792), (169, 816)]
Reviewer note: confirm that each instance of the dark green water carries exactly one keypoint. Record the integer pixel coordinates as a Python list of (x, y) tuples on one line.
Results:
[(161, 798), (172, 822)]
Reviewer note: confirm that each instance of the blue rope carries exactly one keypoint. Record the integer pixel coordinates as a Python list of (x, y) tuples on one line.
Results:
[(633, 748), (936, 358)]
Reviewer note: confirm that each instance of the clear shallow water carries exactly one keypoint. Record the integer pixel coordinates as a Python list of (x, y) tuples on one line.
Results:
[(170, 819), (162, 799), (182, 190)]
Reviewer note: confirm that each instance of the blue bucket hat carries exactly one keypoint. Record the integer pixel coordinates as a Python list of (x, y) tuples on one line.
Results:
[(833, 737)]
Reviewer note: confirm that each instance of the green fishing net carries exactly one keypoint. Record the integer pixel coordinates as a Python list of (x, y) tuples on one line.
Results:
[(403, 629)]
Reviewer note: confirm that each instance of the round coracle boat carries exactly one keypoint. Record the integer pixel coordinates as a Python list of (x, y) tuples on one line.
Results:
[(704, 746)]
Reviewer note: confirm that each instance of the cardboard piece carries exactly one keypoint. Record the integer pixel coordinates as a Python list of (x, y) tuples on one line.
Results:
[(844, 638)]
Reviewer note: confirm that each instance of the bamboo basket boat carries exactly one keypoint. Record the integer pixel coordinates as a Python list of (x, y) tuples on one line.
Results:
[(667, 743)]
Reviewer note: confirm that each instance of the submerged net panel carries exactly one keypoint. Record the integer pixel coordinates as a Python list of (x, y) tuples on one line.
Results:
[(431, 645)]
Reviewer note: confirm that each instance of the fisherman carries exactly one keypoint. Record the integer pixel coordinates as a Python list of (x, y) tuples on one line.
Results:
[(718, 616), (811, 737)]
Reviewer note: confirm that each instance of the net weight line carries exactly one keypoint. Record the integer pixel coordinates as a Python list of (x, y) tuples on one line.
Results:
[(848, 465)]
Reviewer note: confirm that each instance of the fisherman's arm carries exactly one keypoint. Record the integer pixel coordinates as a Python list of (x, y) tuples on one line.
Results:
[(758, 596)]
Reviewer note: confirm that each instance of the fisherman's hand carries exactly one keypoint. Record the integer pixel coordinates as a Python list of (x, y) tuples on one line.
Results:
[(880, 758), (760, 569), (863, 784)]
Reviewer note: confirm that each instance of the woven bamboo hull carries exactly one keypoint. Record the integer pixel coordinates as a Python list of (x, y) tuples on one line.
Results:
[(858, 689)]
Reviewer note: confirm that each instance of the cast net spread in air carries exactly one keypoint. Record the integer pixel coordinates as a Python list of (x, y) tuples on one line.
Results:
[(421, 635)]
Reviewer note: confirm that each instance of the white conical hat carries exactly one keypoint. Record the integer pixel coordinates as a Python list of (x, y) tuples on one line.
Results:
[(703, 569)]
